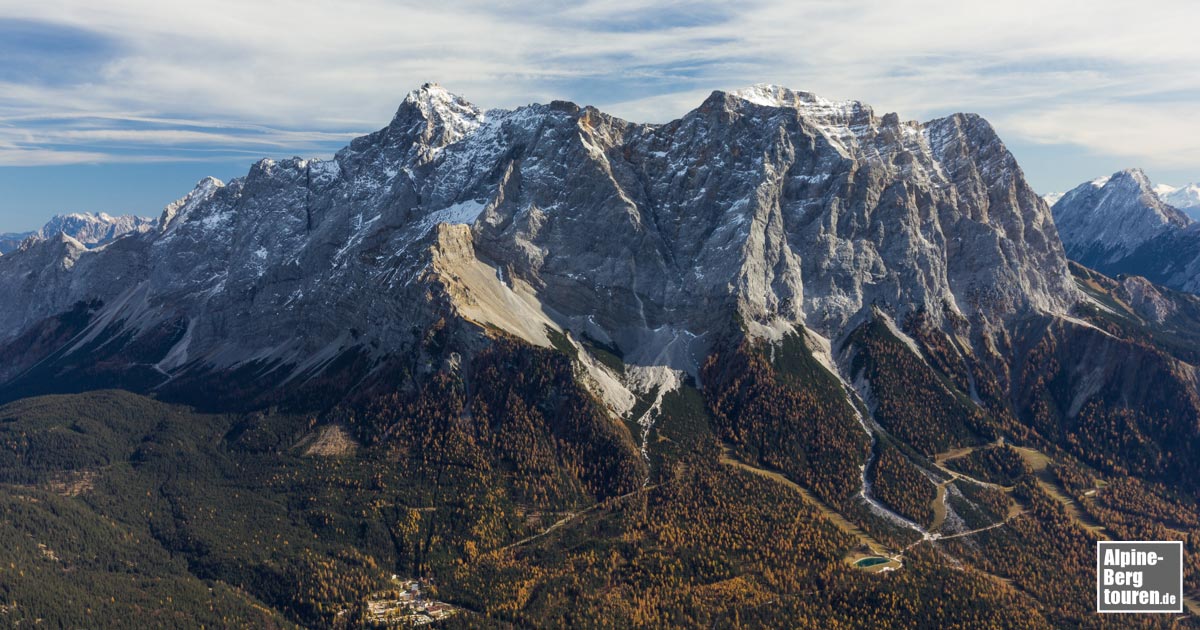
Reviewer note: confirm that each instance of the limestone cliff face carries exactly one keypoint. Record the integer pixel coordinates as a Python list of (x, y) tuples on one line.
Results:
[(765, 206)]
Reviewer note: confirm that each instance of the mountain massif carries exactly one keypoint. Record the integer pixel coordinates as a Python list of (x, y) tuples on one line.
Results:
[(769, 207), (782, 361)]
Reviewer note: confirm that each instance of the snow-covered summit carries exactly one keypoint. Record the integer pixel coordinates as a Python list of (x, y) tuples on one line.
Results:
[(448, 117)]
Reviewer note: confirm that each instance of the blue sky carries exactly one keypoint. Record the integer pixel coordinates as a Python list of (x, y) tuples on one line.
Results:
[(122, 106)]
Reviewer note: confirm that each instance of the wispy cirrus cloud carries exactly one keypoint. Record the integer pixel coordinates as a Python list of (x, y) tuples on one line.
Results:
[(21, 156), (147, 80), (1120, 129)]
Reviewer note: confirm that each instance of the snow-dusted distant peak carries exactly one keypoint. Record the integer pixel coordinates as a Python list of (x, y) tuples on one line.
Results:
[(86, 216), (1108, 218), (1191, 193), (1052, 198), (1186, 198), (86, 229), (1125, 224), (1162, 190)]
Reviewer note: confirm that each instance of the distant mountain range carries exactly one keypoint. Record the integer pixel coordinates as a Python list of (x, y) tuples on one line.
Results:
[(89, 229)]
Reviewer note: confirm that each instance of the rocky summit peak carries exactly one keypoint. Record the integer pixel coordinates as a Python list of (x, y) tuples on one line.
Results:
[(1135, 177), (433, 95), (203, 190), (1135, 181), (444, 117)]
